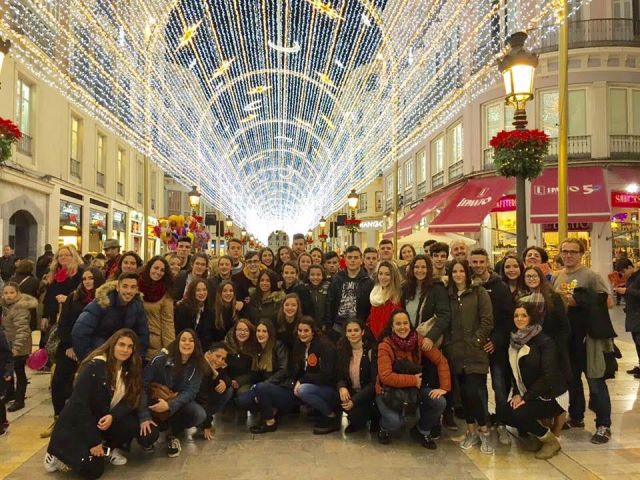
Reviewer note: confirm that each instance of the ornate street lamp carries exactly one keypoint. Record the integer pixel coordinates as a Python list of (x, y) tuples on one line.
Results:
[(518, 68), (353, 222), (194, 199), (323, 236)]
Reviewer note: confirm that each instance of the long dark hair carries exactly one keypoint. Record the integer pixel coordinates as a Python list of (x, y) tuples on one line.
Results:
[(283, 325), (545, 288), (519, 282), (388, 329), (344, 345), (196, 359), (264, 361), (249, 346), (467, 271), (190, 297), (273, 282), (298, 353), (130, 253), (131, 369), (98, 281), (412, 282), (273, 257), (219, 306), (167, 279)]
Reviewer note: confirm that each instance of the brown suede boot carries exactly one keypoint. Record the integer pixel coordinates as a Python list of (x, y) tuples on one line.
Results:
[(550, 446), (531, 443)]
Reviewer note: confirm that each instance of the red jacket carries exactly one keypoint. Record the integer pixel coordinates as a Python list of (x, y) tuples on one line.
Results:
[(379, 317)]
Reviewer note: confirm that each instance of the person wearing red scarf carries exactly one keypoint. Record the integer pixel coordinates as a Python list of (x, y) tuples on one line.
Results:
[(155, 283)]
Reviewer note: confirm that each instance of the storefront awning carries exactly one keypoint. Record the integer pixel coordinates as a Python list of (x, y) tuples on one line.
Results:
[(588, 200), (429, 204), (467, 209)]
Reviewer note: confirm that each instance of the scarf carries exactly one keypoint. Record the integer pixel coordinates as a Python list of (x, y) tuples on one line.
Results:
[(89, 295), (151, 291), (536, 299), (61, 275), (405, 344), (379, 296), (521, 337)]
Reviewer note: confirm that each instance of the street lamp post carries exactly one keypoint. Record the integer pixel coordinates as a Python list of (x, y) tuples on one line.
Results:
[(323, 236), (518, 68), (352, 201), (194, 199)]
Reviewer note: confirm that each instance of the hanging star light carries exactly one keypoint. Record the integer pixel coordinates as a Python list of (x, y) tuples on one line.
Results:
[(387, 69)]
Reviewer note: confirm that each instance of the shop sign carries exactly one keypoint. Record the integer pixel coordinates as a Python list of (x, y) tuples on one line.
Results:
[(70, 214), (506, 204), (152, 221), (97, 219), (119, 221), (625, 200), (371, 224), (137, 216), (571, 227)]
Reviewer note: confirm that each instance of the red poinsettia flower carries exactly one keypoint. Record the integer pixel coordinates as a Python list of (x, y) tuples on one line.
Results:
[(518, 138)]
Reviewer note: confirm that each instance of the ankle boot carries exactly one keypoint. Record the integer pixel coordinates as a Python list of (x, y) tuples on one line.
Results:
[(550, 446)]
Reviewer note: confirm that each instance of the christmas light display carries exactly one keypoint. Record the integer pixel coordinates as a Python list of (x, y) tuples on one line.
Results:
[(275, 108)]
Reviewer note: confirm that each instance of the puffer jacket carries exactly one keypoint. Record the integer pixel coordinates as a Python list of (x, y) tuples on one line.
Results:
[(16, 319), (471, 326), (106, 315), (159, 316)]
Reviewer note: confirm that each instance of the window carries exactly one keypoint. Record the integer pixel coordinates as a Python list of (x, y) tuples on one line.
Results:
[(76, 147), (362, 202), (120, 172), (437, 155), (101, 159), (622, 9), (379, 207), (421, 164), (497, 117), (455, 140), (174, 199), (24, 106), (400, 183), (408, 174), (549, 112), (624, 111), (389, 189), (140, 182)]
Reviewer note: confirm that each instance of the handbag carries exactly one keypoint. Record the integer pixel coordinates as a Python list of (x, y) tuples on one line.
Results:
[(158, 391), (406, 398), (53, 341), (425, 327)]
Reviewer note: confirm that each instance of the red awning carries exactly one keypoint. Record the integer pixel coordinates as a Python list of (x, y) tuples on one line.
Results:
[(466, 211), (588, 198), (405, 225), (624, 175)]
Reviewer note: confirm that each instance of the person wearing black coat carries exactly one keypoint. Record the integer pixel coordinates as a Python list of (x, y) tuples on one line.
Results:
[(65, 357), (313, 366), (541, 386), (357, 367), (44, 261), (292, 284), (631, 292), (105, 408), (6, 371), (242, 346), (194, 312), (215, 388)]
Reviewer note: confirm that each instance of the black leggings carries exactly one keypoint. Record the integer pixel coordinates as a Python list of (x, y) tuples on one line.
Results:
[(473, 392), (62, 382), (525, 417), (19, 390)]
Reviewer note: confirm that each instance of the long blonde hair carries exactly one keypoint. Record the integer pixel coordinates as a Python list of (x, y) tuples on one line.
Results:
[(395, 287), (72, 269)]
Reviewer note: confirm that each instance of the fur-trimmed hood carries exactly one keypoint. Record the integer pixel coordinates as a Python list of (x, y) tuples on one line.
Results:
[(24, 301), (103, 293)]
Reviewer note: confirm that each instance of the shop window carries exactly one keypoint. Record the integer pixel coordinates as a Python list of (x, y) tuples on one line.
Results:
[(550, 112)]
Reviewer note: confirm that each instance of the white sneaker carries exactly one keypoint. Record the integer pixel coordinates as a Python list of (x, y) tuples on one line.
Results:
[(173, 447), (485, 443), (52, 464), (117, 457), (503, 435), (189, 433), (470, 439)]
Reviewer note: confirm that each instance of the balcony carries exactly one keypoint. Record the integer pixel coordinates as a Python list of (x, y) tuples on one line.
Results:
[(599, 32), (625, 147), (25, 145), (456, 170), (120, 189), (408, 196), (387, 204), (100, 179), (422, 189), (74, 168), (578, 148), (487, 159), (437, 180)]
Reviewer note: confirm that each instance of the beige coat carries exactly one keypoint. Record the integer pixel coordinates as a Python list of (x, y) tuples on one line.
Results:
[(159, 317), (16, 320)]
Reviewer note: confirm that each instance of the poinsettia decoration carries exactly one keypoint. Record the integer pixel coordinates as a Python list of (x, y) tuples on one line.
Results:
[(9, 134), (323, 236), (520, 153), (352, 224)]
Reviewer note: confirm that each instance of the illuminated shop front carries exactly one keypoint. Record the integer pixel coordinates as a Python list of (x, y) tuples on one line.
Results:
[(137, 220), (70, 232), (120, 228), (97, 230)]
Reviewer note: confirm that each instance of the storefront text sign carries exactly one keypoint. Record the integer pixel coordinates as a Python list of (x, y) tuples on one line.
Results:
[(506, 204), (572, 227), (371, 224), (625, 200)]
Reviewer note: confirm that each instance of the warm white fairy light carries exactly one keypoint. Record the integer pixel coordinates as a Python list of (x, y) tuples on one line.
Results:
[(275, 109)]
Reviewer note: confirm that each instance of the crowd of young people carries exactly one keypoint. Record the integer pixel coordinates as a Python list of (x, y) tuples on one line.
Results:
[(163, 347)]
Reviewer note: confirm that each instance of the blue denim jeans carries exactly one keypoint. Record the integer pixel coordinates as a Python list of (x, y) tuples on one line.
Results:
[(430, 412), (501, 383), (247, 400), (190, 415), (600, 402), (272, 397), (322, 398)]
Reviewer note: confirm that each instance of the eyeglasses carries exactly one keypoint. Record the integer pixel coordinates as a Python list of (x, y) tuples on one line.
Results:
[(531, 277), (253, 261), (242, 330), (570, 252)]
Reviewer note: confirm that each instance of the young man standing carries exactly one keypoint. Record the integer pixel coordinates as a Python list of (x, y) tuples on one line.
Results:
[(439, 255), (112, 252), (370, 261), (183, 250), (385, 250), (113, 308), (331, 264), (298, 246), (572, 276), (348, 295), (235, 252), (498, 345)]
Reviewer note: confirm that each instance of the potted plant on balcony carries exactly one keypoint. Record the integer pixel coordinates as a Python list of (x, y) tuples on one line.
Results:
[(520, 153), (9, 134)]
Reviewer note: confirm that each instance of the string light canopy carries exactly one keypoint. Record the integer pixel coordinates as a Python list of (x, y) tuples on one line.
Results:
[(275, 108)]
